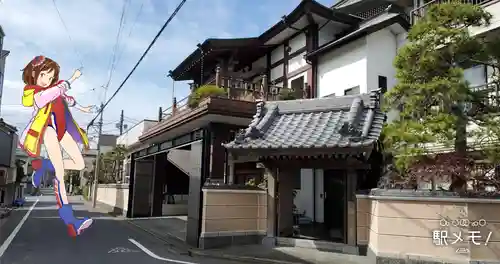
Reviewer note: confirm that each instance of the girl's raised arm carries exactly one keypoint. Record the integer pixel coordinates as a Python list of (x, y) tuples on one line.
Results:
[(44, 97)]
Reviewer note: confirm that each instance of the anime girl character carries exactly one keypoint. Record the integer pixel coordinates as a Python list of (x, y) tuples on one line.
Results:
[(53, 126)]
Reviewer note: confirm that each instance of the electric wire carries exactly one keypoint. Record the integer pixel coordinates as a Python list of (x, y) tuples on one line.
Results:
[(139, 61), (130, 33), (115, 47), (131, 119), (80, 58)]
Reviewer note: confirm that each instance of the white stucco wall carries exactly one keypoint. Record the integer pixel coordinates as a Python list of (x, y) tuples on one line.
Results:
[(320, 201), (343, 68), (381, 50), (189, 161), (113, 195), (276, 72), (297, 42), (305, 198), (132, 135), (277, 54), (361, 62), (296, 62)]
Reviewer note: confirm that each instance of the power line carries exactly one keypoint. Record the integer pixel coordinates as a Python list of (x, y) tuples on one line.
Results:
[(115, 47), (132, 119), (69, 35), (130, 32), (140, 60)]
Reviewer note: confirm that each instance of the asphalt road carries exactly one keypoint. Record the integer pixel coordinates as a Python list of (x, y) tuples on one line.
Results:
[(35, 234)]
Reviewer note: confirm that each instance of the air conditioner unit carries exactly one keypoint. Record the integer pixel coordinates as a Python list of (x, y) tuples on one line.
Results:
[(3, 176)]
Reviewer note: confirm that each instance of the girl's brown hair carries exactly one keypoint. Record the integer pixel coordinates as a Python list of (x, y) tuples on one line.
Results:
[(36, 66)]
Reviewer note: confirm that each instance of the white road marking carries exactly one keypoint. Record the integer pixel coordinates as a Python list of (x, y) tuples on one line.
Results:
[(121, 250), (153, 255), (94, 218), (162, 217), (12, 235)]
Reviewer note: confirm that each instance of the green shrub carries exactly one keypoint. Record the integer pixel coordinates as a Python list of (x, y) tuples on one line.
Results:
[(287, 94), (85, 192), (203, 92)]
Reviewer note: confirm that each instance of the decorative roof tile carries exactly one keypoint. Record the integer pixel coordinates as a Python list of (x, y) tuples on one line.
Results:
[(333, 122)]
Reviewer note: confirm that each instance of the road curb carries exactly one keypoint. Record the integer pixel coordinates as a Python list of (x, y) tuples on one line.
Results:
[(240, 258), (180, 245), (5, 214)]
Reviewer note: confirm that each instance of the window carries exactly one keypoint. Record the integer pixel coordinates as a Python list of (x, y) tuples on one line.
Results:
[(382, 83), (352, 91), (476, 75), (298, 84)]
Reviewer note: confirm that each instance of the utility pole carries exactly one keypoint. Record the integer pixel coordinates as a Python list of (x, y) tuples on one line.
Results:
[(98, 158), (121, 123)]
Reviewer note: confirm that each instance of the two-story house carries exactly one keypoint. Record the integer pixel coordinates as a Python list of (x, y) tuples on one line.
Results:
[(9, 189), (314, 51), (8, 139)]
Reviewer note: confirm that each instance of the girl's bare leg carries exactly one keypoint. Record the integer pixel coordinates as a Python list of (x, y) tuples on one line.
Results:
[(53, 146), (54, 152), (76, 161)]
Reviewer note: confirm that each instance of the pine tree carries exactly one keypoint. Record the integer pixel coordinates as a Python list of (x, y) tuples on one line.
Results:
[(435, 104)]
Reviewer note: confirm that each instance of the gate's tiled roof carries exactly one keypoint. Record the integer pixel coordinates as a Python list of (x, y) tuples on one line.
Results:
[(335, 122)]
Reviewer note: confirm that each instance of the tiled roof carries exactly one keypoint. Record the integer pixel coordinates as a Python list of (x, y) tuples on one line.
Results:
[(344, 3), (378, 22), (324, 123), (4, 53)]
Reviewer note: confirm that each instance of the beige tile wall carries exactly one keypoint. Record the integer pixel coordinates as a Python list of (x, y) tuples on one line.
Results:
[(226, 211), (404, 227), (115, 195)]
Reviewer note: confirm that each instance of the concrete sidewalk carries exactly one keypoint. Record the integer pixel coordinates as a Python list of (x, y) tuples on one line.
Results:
[(249, 253), (169, 231), (263, 254)]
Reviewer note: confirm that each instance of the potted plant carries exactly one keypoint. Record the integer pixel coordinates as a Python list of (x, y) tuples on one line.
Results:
[(203, 92), (287, 94)]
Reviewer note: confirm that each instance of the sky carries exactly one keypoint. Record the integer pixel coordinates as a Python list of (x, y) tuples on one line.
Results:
[(33, 27)]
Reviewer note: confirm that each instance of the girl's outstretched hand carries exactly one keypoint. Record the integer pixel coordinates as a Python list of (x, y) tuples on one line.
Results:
[(75, 76), (88, 109)]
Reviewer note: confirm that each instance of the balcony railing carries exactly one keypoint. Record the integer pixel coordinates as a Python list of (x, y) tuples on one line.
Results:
[(238, 89), (175, 108), (489, 93), (420, 11)]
